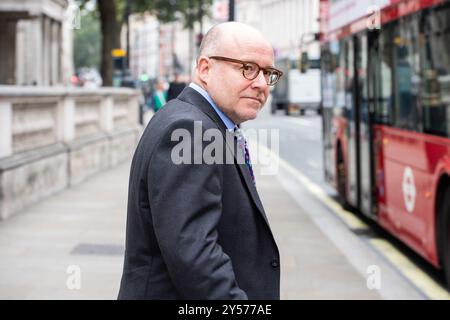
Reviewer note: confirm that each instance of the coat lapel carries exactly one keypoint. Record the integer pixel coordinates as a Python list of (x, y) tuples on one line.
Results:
[(191, 96)]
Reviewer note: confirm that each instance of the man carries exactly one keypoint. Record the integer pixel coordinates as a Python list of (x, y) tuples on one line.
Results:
[(175, 87), (199, 231)]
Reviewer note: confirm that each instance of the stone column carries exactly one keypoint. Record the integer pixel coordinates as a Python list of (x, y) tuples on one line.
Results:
[(5, 128), (55, 44), (59, 58), (21, 51), (35, 54), (27, 52), (46, 49), (66, 53)]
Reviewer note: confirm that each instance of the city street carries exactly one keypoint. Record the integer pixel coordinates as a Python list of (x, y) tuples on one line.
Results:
[(70, 246), (349, 155)]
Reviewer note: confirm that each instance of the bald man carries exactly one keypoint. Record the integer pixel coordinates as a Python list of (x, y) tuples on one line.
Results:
[(196, 228)]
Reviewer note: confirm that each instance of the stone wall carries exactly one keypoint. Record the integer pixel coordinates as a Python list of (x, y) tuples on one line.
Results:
[(54, 138)]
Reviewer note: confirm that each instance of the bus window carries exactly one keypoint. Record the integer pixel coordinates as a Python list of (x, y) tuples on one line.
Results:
[(407, 74), (436, 72), (328, 61), (385, 101), (340, 76)]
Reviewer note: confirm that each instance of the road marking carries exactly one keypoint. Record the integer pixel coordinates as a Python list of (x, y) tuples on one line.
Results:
[(420, 279), (415, 275)]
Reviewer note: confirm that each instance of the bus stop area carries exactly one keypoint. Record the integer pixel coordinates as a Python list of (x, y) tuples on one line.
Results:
[(71, 246)]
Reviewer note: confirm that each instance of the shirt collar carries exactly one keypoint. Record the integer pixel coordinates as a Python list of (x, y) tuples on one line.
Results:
[(227, 121)]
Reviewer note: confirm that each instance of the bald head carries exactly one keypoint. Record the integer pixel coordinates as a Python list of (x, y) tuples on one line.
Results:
[(229, 34)]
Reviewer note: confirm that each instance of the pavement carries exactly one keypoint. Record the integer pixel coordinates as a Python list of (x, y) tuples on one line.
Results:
[(312, 267), (70, 246)]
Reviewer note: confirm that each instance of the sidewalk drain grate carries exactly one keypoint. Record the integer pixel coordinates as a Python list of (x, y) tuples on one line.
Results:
[(98, 249)]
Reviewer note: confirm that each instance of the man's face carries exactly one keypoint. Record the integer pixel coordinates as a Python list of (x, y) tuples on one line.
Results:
[(239, 98)]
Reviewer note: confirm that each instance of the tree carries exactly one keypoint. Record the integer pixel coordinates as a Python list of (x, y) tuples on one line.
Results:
[(188, 12), (110, 37), (112, 16), (87, 42)]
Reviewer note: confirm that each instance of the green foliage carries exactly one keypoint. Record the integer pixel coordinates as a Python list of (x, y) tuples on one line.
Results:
[(87, 41), (134, 6), (189, 11)]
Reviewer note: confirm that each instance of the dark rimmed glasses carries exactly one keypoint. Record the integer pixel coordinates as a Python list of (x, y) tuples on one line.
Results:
[(250, 70)]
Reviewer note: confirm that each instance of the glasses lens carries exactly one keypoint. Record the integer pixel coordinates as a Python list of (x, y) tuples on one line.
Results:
[(250, 71), (273, 77)]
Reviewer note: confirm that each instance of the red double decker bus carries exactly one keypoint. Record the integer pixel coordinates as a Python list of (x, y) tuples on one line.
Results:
[(386, 116)]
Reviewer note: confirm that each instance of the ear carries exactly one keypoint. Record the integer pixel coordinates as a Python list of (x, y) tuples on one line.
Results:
[(203, 68)]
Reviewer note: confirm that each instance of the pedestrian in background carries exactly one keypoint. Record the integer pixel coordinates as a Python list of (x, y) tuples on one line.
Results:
[(199, 230), (175, 87), (159, 96)]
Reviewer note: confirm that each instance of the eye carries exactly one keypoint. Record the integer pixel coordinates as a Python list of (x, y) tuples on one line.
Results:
[(248, 67)]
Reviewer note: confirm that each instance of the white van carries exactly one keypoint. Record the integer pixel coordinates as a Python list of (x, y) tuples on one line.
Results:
[(296, 92)]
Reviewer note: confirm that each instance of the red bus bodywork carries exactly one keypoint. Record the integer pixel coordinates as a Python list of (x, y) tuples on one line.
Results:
[(391, 11), (429, 158), (408, 166)]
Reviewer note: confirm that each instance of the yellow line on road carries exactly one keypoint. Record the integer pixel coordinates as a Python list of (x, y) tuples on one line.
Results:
[(419, 278)]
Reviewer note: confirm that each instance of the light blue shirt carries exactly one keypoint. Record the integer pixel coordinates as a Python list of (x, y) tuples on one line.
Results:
[(228, 123)]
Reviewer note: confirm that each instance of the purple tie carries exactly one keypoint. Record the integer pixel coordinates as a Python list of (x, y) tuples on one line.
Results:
[(242, 142)]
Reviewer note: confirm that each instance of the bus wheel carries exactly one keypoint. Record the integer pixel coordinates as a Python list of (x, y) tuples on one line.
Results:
[(445, 235)]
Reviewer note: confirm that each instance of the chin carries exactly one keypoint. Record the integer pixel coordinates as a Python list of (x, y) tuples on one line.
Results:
[(248, 112), (249, 116)]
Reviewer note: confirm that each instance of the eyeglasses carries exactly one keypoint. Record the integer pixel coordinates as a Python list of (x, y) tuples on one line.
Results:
[(250, 70)]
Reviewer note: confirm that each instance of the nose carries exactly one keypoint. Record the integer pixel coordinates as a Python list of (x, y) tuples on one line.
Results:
[(260, 81)]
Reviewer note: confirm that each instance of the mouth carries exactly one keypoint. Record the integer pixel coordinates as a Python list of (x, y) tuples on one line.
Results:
[(253, 98)]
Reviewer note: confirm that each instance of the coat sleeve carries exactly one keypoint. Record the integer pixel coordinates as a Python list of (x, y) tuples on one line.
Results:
[(186, 207)]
